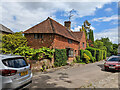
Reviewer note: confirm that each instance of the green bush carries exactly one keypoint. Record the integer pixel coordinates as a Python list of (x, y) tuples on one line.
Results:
[(11, 42), (88, 53), (92, 50), (60, 57), (78, 59), (34, 54), (87, 58), (98, 54), (104, 54), (81, 54)]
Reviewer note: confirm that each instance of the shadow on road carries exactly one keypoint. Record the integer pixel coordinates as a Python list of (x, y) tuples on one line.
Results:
[(41, 82)]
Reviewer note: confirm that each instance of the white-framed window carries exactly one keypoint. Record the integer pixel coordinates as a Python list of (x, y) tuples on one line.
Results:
[(70, 53)]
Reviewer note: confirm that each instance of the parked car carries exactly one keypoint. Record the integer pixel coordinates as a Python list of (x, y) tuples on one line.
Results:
[(15, 72), (112, 63)]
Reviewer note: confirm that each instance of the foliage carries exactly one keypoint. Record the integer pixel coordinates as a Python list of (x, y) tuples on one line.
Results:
[(78, 59), (91, 37), (34, 54), (92, 50), (87, 58), (81, 54), (88, 53), (115, 49), (60, 57), (105, 43), (11, 42), (98, 44)]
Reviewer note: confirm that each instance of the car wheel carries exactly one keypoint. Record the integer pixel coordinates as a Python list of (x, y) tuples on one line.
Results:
[(105, 69)]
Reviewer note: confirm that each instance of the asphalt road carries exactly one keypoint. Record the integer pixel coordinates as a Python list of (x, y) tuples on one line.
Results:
[(83, 76)]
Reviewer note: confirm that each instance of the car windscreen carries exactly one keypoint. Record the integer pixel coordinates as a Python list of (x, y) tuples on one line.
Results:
[(15, 62), (114, 59)]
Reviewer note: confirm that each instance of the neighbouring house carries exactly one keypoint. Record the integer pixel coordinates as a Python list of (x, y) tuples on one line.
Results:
[(52, 34), (5, 30)]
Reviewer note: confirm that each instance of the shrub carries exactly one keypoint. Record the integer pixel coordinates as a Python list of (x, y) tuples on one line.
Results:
[(10, 42), (98, 55), (92, 50), (78, 59), (88, 53), (60, 57), (87, 58), (81, 54), (34, 54), (104, 54)]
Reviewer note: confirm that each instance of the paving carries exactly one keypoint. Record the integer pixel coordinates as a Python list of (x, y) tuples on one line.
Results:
[(82, 76)]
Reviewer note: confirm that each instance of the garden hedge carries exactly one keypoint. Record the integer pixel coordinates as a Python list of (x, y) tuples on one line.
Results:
[(92, 50), (60, 57)]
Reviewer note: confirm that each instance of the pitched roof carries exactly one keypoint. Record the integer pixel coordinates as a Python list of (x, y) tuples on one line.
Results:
[(78, 34), (5, 29), (51, 26)]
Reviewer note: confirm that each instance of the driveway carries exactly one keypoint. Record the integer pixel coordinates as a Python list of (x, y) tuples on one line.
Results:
[(83, 76)]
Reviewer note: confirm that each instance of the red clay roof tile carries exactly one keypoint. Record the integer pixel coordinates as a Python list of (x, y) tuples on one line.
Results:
[(51, 26)]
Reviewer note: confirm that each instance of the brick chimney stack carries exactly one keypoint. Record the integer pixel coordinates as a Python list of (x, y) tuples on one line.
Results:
[(67, 24)]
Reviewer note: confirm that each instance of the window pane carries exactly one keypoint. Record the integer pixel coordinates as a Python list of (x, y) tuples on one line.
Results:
[(15, 63)]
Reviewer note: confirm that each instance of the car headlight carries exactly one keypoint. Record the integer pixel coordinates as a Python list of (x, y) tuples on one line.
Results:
[(117, 65)]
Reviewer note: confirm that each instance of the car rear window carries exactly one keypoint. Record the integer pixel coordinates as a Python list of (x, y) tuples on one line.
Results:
[(15, 62), (114, 59)]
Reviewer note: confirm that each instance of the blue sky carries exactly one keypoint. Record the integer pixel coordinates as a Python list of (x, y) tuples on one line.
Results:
[(103, 16)]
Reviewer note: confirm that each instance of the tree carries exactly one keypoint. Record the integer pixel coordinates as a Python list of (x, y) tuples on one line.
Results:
[(10, 42), (91, 37), (98, 44)]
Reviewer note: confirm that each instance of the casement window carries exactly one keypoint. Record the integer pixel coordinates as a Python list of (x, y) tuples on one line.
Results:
[(83, 44), (38, 36), (70, 53), (69, 41)]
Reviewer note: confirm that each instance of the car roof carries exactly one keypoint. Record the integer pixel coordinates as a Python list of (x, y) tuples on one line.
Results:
[(114, 56), (5, 56)]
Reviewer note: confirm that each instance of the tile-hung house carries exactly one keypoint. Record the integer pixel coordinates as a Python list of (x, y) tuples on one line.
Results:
[(52, 34), (5, 30)]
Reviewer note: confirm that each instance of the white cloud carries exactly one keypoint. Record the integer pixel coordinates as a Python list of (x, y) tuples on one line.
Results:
[(76, 28), (91, 27), (108, 9), (105, 19), (111, 33), (30, 13)]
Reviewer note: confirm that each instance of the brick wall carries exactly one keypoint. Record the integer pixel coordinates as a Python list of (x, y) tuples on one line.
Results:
[(38, 43), (81, 42), (62, 43)]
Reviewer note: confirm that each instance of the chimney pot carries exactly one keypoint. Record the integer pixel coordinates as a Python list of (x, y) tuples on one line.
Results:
[(67, 24)]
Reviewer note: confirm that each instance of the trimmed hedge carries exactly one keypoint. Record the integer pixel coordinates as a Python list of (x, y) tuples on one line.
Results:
[(60, 57), (97, 53), (92, 50), (81, 54), (88, 53)]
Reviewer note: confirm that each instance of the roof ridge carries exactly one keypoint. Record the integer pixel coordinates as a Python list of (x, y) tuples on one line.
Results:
[(62, 26), (51, 24)]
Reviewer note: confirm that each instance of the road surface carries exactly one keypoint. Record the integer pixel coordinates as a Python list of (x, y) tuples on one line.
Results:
[(83, 76)]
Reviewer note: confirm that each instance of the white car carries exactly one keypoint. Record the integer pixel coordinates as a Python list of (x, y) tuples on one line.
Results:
[(15, 72)]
